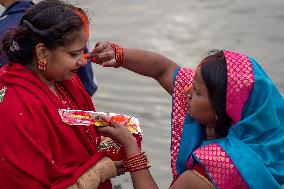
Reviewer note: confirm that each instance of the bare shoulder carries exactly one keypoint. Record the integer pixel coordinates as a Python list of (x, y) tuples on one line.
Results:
[(189, 180)]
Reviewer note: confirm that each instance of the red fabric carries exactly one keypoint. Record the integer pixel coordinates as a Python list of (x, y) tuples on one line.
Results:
[(37, 150), (197, 167)]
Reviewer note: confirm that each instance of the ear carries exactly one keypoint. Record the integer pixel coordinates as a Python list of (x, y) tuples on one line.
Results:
[(41, 50)]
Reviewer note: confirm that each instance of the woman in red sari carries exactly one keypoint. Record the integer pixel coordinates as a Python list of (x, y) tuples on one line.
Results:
[(37, 149)]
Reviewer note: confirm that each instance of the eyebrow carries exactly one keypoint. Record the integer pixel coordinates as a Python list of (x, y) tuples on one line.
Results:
[(77, 50)]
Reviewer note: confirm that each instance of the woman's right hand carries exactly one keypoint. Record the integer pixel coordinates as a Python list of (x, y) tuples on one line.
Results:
[(104, 54)]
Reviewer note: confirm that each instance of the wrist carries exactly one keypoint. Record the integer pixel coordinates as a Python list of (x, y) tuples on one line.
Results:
[(119, 54), (136, 162), (131, 147)]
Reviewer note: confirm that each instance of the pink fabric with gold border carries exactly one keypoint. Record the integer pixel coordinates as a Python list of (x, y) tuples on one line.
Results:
[(180, 108), (215, 160), (220, 167), (239, 83), (239, 86)]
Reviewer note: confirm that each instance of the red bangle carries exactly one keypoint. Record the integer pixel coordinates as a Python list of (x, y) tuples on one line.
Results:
[(138, 168), (136, 162), (119, 54), (134, 156)]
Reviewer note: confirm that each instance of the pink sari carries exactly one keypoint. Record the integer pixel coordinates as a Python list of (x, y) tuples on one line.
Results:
[(245, 156)]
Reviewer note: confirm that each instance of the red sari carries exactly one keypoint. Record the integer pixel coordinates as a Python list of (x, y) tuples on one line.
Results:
[(37, 150)]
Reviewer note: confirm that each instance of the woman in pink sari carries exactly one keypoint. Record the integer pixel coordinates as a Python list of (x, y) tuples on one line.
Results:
[(227, 121)]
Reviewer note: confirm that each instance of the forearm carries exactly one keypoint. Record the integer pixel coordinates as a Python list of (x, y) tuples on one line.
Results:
[(150, 64), (101, 171), (141, 179), (146, 63), (140, 61)]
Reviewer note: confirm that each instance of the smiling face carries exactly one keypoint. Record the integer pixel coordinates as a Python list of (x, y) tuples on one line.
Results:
[(64, 61), (200, 106)]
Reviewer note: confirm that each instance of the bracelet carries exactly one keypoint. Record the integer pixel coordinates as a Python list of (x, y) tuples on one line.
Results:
[(135, 163), (139, 168), (129, 166), (135, 158), (119, 54)]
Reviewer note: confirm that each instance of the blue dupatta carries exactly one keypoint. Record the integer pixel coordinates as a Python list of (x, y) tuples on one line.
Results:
[(255, 144)]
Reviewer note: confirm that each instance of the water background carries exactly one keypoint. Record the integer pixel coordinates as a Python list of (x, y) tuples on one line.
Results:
[(183, 30)]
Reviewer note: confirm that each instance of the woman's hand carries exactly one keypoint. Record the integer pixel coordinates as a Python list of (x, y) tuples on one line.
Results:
[(119, 167), (104, 54), (119, 133)]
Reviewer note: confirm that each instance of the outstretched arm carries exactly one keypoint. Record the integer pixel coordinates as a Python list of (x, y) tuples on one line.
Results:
[(142, 178), (152, 65), (140, 61)]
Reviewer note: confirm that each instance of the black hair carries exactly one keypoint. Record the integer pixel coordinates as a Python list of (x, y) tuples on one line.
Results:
[(214, 75), (51, 22)]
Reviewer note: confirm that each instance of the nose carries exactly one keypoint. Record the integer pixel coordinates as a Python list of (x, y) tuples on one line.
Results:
[(82, 60)]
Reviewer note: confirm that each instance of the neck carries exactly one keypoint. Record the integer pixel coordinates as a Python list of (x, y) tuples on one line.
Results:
[(48, 83), (7, 3), (45, 81), (210, 133)]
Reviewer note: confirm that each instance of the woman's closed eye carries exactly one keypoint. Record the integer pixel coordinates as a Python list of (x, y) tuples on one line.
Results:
[(196, 92), (74, 54)]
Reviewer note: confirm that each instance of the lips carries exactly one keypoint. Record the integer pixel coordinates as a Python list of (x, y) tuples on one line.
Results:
[(74, 70), (189, 110)]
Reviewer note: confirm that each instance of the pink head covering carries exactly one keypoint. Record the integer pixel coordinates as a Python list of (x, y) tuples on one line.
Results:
[(240, 80), (239, 83)]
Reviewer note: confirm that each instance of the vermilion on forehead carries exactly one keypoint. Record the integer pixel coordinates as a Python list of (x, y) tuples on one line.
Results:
[(84, 19)]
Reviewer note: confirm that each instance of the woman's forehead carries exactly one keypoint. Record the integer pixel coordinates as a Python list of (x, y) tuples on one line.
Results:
[(79, 42), (197, 80), (197, 74)]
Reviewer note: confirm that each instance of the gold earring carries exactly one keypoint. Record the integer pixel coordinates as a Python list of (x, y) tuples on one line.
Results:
[(42, 62)]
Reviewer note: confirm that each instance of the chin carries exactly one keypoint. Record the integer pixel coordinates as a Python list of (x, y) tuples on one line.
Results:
[(69, 76), (189, 113)]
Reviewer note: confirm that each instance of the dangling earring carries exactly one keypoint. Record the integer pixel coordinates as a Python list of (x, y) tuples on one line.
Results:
[(216, 117), (42, 62)]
